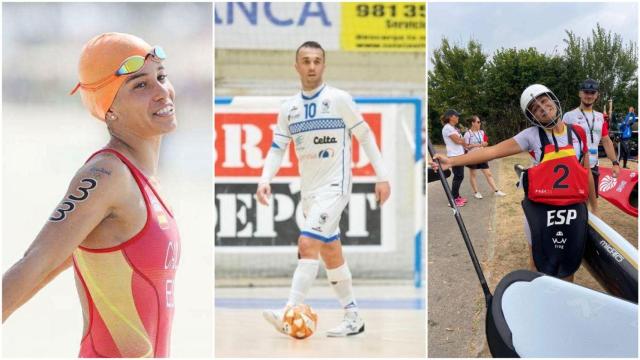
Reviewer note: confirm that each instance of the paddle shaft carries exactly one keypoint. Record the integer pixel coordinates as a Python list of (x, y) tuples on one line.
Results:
[(463, 230)]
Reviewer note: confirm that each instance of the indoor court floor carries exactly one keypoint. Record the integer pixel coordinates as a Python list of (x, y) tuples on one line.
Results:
[(394, 323)]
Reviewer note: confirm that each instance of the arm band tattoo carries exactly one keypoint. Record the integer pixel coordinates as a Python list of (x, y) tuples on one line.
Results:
[(69, 206)]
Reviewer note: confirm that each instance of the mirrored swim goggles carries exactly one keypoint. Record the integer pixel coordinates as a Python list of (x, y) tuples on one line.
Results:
[(129, 66)]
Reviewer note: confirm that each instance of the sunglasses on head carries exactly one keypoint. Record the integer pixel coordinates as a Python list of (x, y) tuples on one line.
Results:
[(589, 86), (129, 66)]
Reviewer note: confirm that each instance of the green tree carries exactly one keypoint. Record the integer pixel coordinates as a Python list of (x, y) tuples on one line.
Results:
[(605, 58), (455, 82), (508, 73), (464, 80)]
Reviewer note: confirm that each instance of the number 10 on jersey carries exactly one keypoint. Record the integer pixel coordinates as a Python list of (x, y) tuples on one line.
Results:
[(309, 110)]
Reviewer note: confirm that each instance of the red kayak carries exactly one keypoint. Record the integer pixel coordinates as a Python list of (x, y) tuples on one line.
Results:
[(621, 191)]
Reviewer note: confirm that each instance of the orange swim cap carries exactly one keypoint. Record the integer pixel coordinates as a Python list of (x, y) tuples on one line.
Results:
[(100, 59)]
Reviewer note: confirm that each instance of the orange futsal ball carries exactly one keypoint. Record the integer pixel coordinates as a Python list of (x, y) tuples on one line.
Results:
[(300, 321)]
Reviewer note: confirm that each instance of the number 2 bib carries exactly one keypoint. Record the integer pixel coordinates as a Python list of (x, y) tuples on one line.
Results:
[(559, 178)]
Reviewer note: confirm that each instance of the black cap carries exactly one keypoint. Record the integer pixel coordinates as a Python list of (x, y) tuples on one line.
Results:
[(450, 113), (590, 85)]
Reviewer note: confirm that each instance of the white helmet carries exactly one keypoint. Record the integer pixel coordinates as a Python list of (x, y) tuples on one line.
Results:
[(529, 95)]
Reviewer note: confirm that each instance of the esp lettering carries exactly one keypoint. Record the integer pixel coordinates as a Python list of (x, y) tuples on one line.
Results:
[(559, 217)]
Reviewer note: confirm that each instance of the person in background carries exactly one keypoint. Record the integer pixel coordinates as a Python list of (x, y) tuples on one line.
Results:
[(625, 135), (474, 139), (455, 147), (595, 126)]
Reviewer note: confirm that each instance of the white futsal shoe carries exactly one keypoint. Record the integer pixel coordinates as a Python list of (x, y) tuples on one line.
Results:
[(352, 324), (499, 193), (477, 195), (275, 318)]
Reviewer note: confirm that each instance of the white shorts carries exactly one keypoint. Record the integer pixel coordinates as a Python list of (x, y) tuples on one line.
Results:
[(322, 213)]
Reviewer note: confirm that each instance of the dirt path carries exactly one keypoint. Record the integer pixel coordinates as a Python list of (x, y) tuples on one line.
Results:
[(455, 296)]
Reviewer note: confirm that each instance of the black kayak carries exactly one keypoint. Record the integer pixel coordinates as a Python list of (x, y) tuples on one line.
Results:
[(609, 257)]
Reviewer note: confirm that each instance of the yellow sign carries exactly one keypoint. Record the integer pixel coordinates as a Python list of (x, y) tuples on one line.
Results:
[(383, 26)]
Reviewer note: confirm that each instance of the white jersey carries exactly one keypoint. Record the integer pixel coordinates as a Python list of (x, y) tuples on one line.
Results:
[(474, 138), (320, 125), (594, 127), (453, 149), (529, 140)]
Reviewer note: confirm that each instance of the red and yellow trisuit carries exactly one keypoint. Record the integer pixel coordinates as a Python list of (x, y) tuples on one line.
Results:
[(129, 288)]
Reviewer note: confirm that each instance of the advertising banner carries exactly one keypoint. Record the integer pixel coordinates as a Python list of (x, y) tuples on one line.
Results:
[(349, 26), (383, 26), (243, 130), (276, 26)]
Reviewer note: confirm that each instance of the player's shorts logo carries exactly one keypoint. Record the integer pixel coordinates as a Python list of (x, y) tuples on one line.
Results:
[(326, 153), (323, 218), (324, 140)]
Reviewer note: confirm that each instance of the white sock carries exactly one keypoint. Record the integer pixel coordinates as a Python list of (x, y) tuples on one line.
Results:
[(340, 280), (303, 278)]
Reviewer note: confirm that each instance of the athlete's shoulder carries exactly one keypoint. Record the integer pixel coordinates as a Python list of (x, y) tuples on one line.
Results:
[(337, 93), (528, 139), (297, 97), (109, 175), (570, 115), (598, 115), (289, 101), (99, 185), (531, 132), (289, 105), (105, 160)]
